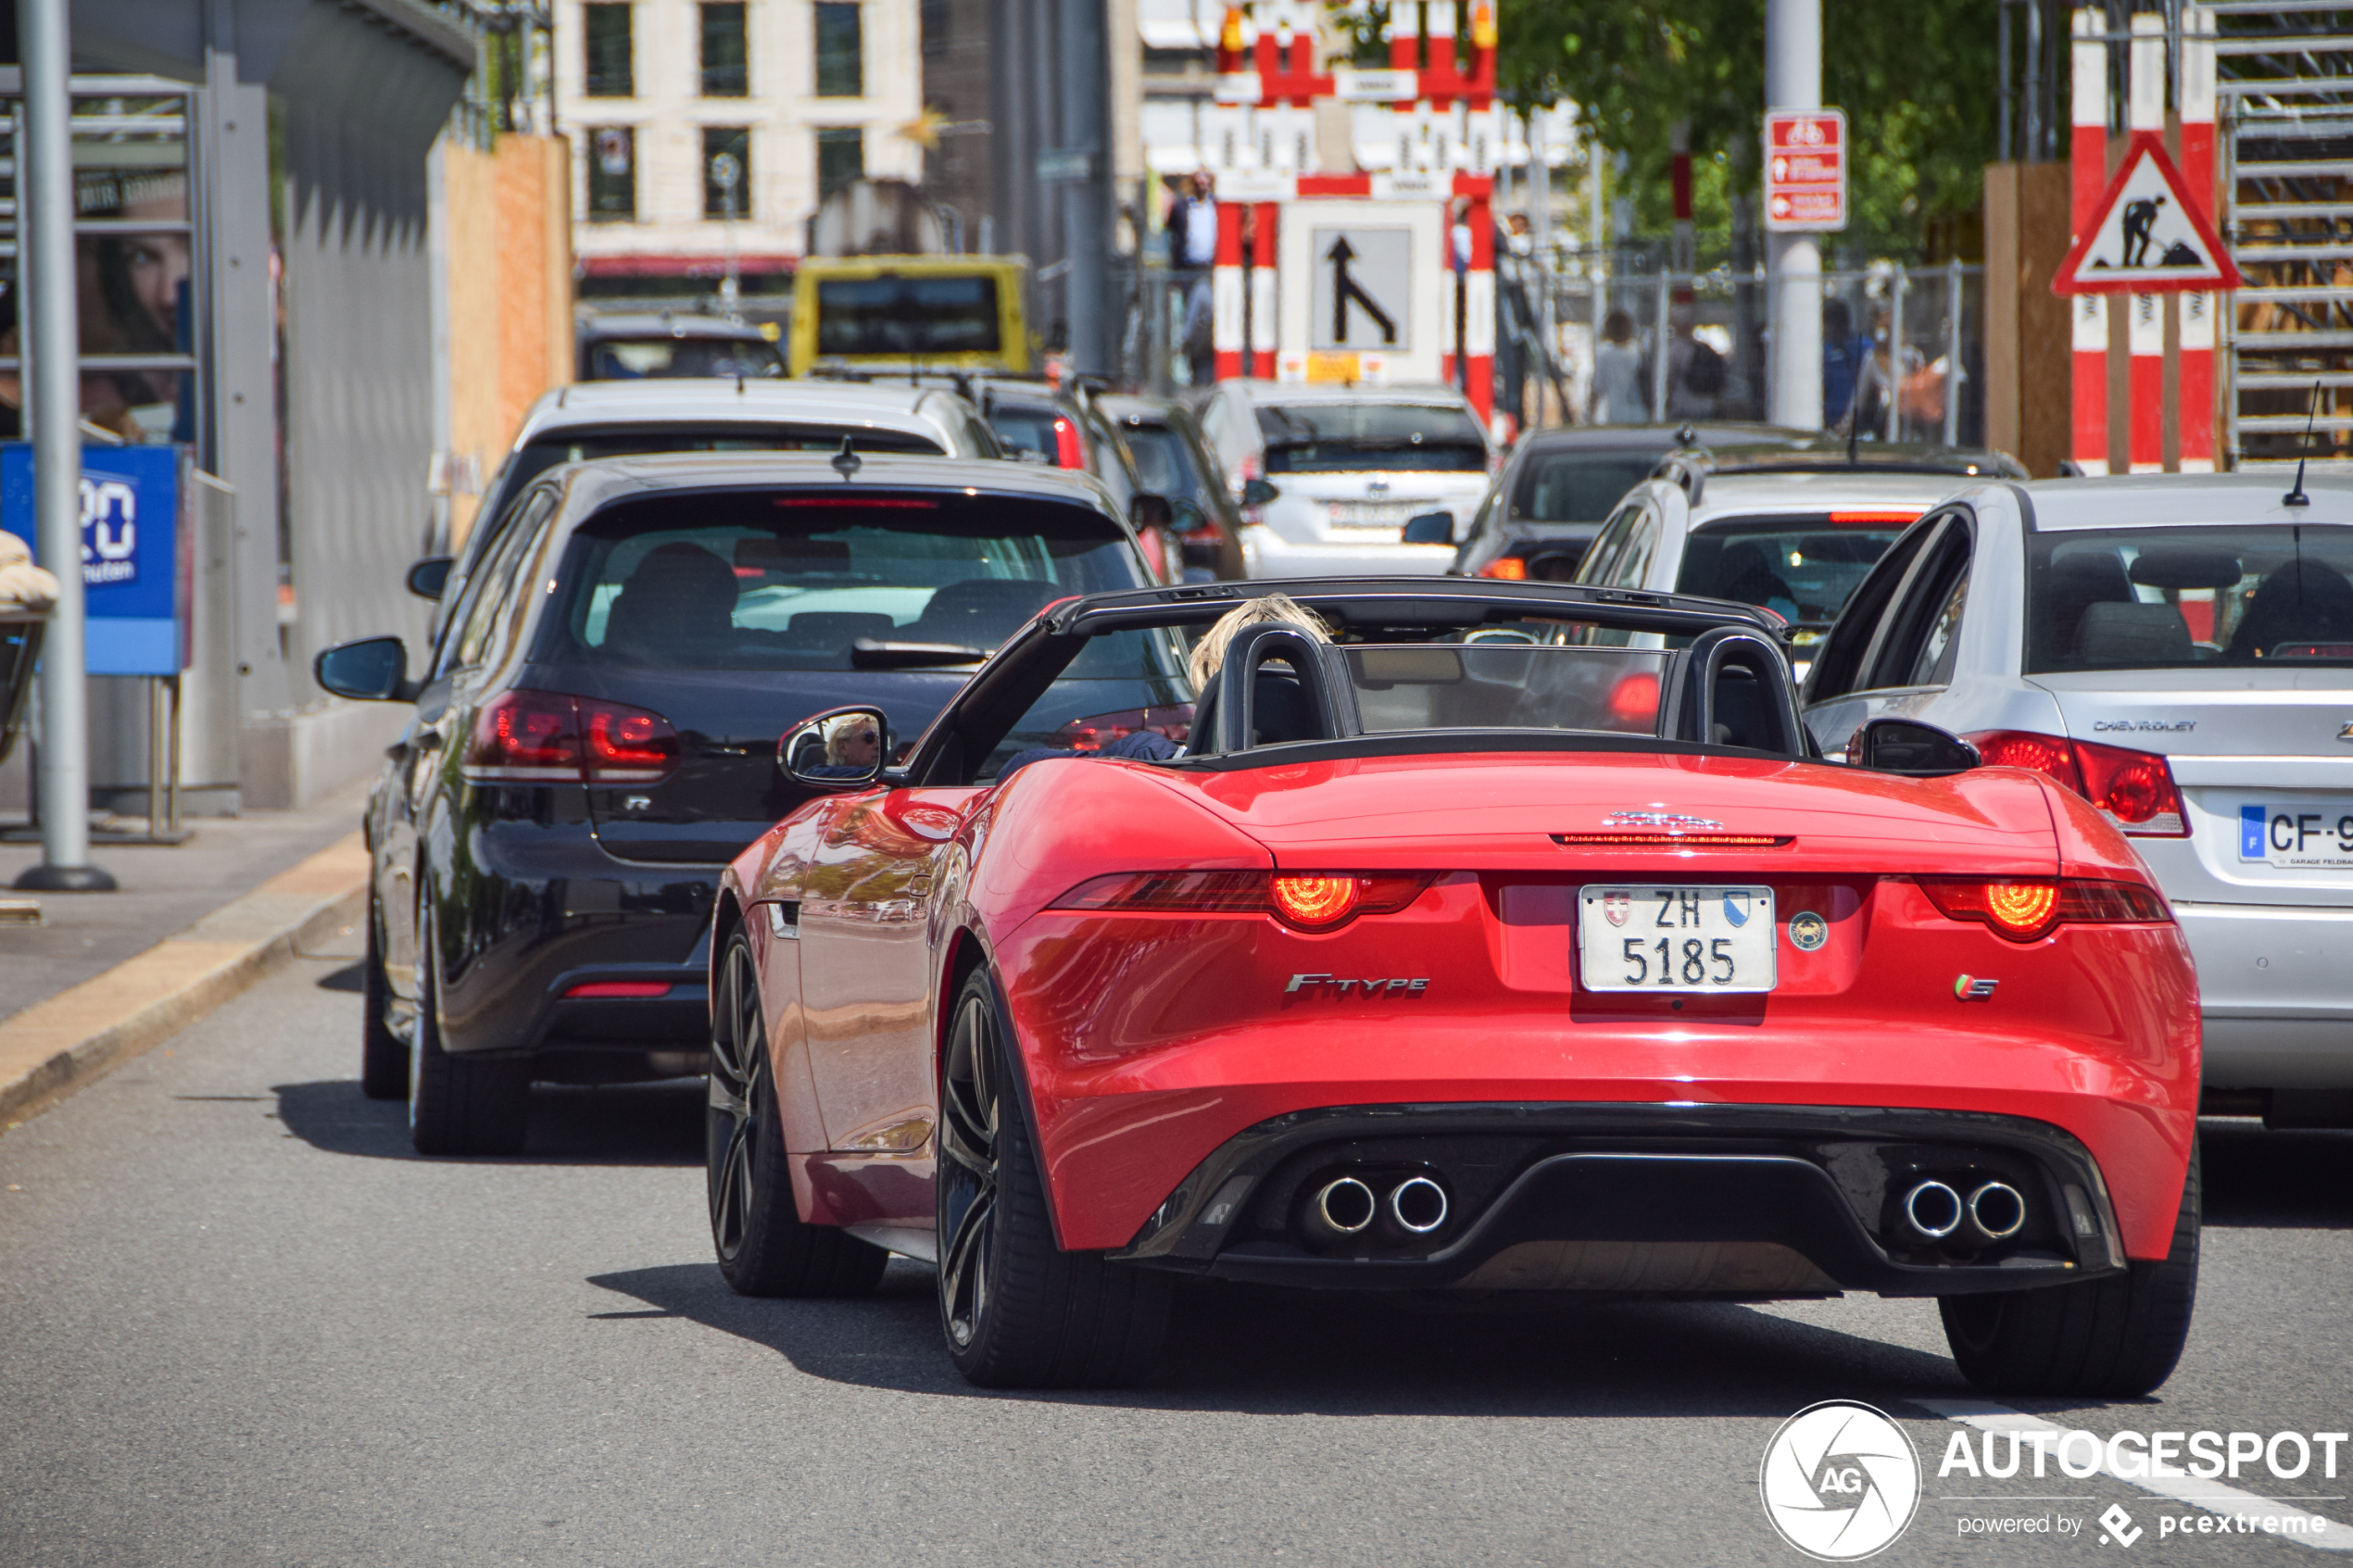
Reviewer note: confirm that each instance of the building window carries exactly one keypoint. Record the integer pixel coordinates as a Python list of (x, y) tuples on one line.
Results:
[(726, 171), (612, 70), (841, 158), (841, 50), (612, 174), (725, 57)]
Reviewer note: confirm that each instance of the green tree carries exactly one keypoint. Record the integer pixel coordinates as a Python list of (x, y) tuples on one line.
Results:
[(1916, 81)]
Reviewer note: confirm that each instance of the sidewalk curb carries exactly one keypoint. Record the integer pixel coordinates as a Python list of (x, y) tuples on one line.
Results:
[(77, 1036)]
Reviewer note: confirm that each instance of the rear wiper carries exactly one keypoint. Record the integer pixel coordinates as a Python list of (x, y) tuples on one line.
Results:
[(866, 653)]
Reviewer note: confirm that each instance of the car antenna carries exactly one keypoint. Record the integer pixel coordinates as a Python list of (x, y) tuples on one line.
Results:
[(1854, 434), (2296, 497), (739, 383), (846, 461)]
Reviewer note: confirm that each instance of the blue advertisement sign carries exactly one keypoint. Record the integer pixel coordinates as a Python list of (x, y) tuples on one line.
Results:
[(137, 562)]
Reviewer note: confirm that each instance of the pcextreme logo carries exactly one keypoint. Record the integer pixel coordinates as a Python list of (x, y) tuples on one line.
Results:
[(1840, 1481)]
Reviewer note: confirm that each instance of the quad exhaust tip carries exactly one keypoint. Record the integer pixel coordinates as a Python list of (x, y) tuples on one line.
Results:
[(1934, 1210), (1346, 1206), (1418, 1204), (1997, 1210)]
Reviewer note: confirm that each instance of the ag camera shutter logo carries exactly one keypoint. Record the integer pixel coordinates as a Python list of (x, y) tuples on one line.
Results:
[(1840, 1481)]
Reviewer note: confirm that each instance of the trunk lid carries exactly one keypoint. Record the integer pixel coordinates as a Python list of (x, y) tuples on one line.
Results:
[(2237, 737)]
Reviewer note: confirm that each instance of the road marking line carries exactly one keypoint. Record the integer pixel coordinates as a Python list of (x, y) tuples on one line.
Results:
[(2322, 1534)]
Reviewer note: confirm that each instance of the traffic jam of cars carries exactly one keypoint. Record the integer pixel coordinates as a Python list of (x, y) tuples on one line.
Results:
[(1088, 843)]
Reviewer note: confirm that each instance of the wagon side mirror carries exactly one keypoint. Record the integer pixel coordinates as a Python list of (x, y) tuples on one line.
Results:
[(428, 577), (1430, 528), (1257, 493), (372, 669), (1912, 749)]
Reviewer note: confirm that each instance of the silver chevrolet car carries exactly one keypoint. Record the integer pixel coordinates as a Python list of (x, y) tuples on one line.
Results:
[(2179, 649)]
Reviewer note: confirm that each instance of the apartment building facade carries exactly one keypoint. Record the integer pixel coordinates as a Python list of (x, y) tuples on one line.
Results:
[(706, 132)]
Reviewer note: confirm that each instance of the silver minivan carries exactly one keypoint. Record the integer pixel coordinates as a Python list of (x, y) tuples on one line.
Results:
[(2178, 649)]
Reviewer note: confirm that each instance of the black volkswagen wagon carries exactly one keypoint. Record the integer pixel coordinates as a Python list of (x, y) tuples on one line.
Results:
[(596, 730)]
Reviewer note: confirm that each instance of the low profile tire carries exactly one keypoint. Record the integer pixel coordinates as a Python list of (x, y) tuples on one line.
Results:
[(383, 1060), (456, 1104), (2113, 1338), (1018, 1311), (764, 1247)]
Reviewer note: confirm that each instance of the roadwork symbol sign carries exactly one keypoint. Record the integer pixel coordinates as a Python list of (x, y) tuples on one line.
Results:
[(2149, 235), (1363, 290)]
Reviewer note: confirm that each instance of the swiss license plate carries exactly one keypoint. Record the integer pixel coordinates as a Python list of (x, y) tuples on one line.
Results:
[(2299, 834), (1636, 938)]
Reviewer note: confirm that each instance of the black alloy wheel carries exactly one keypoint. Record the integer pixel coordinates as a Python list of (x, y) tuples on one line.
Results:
[(384, 1059), (967, 1162), (764, 1247), (1017, 1310)]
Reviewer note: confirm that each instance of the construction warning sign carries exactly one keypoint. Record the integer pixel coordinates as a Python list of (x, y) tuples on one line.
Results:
[(2149, 235)]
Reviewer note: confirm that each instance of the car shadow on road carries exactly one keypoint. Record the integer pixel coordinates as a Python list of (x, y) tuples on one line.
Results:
[(1266, 1351), (618, 1125), (2268, 1180)]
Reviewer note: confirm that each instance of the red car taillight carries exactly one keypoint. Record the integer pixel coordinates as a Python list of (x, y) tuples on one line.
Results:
[(1093, 735), (2135, 788), (1510, 568), (547, 737), (1311, 901), (2023, 908), (1069, 453)]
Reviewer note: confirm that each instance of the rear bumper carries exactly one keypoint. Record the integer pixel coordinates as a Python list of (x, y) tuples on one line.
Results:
[(1267, 554), (1743, 1200), (2276, 993)]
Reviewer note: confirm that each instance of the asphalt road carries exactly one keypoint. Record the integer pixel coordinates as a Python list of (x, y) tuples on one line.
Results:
[(240, 1324)]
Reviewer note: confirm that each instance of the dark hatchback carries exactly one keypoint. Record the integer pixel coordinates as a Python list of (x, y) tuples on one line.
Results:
[(597, 731)]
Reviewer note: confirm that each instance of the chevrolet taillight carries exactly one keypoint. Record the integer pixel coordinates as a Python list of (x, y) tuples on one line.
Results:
[(2134, 788), (2023, 908), (1308, 900), (548, 737)]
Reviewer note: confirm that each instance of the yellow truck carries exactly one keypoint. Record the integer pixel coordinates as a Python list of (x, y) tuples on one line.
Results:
[(911, 313)]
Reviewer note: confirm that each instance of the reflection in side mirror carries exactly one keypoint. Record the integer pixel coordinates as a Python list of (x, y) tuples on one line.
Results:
[(1430, 528), (428, 577), (841, 749), (372, 670), (1912, 749), (1257, 493), (1186, 518)]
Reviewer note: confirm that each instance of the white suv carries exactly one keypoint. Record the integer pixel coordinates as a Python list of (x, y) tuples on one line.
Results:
[(1789, 530), (1329, 476)]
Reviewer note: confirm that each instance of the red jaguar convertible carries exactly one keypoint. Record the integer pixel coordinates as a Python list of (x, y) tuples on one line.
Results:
[(1484, 939)]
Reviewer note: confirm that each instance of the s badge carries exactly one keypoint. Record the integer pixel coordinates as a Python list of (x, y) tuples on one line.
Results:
[(1969, 989), (1807, 930)]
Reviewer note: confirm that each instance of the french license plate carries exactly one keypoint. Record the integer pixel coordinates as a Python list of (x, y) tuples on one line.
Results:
[(2298, 834), (1635, 938)]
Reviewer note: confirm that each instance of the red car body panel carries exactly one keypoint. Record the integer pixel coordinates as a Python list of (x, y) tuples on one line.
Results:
[(1150, 1040)]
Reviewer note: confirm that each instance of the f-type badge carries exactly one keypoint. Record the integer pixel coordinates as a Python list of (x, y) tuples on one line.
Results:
[(1379, 986), (1971, 990)]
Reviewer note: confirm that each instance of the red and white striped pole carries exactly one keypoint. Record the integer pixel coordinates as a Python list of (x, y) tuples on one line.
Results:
[(1263, 291), (1478, 309), (2144, 328), (1225, 291), (1679, 169), (2198, 172), (2087, 157)]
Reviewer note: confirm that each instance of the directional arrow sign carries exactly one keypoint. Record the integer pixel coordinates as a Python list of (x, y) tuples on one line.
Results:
[(1362, 288), (2149, 235)]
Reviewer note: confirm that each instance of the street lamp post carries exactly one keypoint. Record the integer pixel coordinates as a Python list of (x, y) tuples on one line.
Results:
[(52, 408), (1793, 81)]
